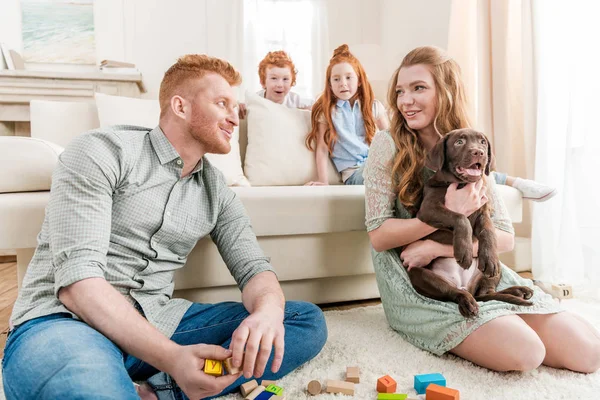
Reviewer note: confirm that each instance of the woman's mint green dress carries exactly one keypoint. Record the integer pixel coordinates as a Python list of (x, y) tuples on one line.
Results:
[(432, 325)]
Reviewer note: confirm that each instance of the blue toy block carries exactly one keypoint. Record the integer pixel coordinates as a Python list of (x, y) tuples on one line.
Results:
[(422, 381), (264, 396)]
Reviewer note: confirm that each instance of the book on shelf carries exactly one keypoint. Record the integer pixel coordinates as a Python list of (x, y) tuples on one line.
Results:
[(115, 64), (119, 70), (17, 60), (6, 56)]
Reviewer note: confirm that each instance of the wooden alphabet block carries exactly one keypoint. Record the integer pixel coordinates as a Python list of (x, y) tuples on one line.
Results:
[(391, 396), (213, 367), (248, 387), (437, 392), (386, 384), (340, 387), (563, 291), (254, 394), (228, 364), (352, 374), (314, 387), (264, 396), (274, 389), (422, 381), (266, 382)]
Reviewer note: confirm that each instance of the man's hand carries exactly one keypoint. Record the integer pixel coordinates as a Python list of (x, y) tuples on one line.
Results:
[(187, 370), (419, 254), (257, 335)]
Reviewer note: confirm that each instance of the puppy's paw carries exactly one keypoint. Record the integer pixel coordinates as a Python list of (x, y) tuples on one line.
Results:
[(488, 264), (463, 255), (520, 291), (467, 305)]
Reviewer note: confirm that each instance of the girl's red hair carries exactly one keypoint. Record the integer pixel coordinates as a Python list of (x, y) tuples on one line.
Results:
[(327, 101)]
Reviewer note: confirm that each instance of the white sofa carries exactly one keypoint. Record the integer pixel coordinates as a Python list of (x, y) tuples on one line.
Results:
[(314, 235)]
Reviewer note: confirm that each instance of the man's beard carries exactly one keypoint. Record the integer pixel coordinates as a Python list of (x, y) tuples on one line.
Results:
[(209, 136)]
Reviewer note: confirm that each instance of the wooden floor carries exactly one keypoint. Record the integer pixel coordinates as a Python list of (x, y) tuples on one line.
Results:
[(8, 295)]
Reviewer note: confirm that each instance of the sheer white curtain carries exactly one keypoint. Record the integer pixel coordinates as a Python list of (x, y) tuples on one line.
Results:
[(298, 27), (566, 229)]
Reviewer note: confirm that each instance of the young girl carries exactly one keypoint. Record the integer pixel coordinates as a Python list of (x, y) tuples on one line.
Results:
[(429, 100), (277, 74), (344, 119)]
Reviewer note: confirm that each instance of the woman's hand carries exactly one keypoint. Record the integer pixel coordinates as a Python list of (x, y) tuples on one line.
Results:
[(419, 254), (466, 200)]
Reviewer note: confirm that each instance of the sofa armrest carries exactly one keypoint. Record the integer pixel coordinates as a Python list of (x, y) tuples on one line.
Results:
[(26, 164)]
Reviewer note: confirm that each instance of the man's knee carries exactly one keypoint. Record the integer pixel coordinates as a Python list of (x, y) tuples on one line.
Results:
[(311, 321)]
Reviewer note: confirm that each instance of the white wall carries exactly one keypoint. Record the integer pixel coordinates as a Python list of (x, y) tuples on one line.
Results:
[(10, 24)]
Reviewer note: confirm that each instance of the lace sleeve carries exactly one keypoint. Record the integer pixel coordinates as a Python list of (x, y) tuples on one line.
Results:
[(379, 194), (499, 213)]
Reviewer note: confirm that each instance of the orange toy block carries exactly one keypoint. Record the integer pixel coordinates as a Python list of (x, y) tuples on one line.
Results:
[(386, 384), (437, 392), (213, 367), (340, 387), (352, 374)]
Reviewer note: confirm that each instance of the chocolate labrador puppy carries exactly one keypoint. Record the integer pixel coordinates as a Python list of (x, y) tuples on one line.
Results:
[(463, 156)]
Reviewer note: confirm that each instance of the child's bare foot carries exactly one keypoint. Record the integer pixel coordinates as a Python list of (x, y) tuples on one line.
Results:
[(533, 190), (145, 391)]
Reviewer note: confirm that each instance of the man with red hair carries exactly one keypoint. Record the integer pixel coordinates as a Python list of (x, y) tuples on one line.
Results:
[(127, 206)]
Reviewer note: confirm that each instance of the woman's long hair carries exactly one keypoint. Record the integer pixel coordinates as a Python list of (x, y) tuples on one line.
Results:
[(327, 100), (451, 114)]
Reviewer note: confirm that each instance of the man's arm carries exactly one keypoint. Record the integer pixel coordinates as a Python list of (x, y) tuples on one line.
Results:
[(261, 292)]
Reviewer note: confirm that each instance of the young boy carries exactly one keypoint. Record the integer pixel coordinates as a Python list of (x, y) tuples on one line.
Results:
[(277, 74)]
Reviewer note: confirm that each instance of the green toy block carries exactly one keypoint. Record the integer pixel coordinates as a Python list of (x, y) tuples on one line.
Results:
[(274, 389), (391, 396)]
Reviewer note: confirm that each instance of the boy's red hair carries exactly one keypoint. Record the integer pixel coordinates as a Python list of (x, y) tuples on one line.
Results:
[(327, 101), (278, 59)]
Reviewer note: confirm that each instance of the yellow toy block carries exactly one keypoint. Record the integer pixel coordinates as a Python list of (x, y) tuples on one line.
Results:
[(213, 367)]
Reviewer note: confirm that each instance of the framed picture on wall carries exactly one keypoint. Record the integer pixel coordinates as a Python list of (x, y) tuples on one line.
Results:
[(58, 31)]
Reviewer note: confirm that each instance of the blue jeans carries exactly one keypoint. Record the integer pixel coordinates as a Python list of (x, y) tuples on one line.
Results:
[(357, 177), (58, 357)]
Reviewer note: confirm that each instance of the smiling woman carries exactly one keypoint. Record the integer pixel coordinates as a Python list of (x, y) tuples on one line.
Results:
[(58, 31)]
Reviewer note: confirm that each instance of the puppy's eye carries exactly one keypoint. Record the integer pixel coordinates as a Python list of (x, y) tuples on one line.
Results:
[(483, 141), (459, 142)]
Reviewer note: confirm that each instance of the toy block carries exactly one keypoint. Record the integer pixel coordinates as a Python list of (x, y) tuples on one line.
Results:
[(264, 396), (266, 382), (280, 397), (314, 387), (274, 389), (386, 384), (248, 387), (422, 381), (563, 291), (340, 387), (213, 367), (391, 396), (254, 394), (228, 364), (352, 374), (437, 392)]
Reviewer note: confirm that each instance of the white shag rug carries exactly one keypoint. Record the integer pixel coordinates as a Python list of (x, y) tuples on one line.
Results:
[(362, 337)]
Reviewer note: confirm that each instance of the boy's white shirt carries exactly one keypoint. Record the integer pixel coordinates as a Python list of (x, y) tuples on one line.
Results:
[(292, 100)]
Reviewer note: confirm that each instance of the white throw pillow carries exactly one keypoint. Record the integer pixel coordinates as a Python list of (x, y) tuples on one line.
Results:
[(276, 154), (117, 110)]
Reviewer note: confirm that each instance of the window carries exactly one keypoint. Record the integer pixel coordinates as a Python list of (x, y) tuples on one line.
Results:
[(287, 25), (58, 31)]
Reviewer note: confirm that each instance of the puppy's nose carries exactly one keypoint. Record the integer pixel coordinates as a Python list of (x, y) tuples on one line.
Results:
[(477, 152)]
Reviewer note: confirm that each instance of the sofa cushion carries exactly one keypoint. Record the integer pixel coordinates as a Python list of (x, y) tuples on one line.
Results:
[(26, 164), (117, 110), (298, 210), (276, 154)]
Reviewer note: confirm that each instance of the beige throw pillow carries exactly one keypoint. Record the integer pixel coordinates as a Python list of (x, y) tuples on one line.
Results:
[(117, 110), (276, 154)]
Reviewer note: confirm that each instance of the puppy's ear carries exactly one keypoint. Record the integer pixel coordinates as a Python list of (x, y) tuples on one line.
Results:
[(437, 156), (491, 164)]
